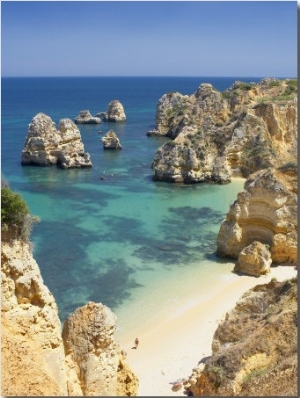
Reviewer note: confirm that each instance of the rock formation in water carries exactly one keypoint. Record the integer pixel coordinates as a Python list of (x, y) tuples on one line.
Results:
[(115, 112), (255, 350), (111, 141), (266, 211), (45, 145), (216, 135), (36, 359), (85, 117)]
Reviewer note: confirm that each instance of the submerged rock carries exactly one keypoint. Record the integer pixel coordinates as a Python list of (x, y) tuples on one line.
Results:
[(85, 117), (46, 146), (111, 141), (115, 112)]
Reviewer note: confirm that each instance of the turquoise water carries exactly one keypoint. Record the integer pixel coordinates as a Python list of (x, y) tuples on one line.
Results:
[(111, 234)]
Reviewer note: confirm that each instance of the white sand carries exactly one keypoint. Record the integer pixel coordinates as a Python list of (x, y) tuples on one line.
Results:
[(173, 346)]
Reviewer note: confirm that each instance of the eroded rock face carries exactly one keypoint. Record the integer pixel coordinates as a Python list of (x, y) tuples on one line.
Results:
[(266, 211), (115, 112), (85, 117), (244, 129), (111, 141), (254, 259), (93, 357), (255, 348), (45, 145), (33, 359)]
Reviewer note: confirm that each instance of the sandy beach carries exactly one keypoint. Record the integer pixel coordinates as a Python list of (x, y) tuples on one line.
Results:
[(173, 345)]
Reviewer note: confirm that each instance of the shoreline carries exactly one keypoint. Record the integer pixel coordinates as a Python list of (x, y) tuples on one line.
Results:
[(170, 349)]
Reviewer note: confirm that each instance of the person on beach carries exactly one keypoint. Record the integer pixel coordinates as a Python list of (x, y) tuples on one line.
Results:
[(136, 342)]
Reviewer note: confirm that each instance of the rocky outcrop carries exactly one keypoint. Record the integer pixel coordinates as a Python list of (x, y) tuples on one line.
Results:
[(111, 141), (219, 135), (35, 358), (115, 112), (85, 117), (266, 211), (93, 357), (255, 348), (45, 145), (254, 259)]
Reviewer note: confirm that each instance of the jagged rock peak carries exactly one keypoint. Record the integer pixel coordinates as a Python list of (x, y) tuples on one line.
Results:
[(266, 211), (111, 141), (85, 117), (45, 145), (115, 112)]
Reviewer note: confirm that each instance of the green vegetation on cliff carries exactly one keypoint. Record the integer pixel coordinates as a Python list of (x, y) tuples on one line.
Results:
[(16, 222)]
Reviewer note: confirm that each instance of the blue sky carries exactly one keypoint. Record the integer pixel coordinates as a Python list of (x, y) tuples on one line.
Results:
[(154, 38)]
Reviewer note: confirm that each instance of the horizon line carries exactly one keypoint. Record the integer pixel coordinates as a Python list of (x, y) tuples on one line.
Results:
[(148, 76)]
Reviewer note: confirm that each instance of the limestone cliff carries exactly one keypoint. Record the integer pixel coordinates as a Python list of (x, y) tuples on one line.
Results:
[(266, 211), (255, 347), (111, 141), (35, 359), (95, 362), (85, 117), (45, 145), (234, 133)]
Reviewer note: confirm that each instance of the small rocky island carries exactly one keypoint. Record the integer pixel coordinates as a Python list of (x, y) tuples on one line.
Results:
[(46, 146), (115, 112), (85, 117), (111, 141), (218, 135)]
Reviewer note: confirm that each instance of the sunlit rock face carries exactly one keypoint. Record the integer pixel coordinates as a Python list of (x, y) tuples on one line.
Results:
[(111, 141), (95, 362), (255, 348), (36, 360), (33, 358), (46, 146), (115, 112), (266, 211), (219, 135), (85, 117)]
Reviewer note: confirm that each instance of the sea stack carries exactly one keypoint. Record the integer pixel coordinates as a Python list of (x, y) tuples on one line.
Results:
[(111, 141), (115, 112), (46, 146), (85, 117)]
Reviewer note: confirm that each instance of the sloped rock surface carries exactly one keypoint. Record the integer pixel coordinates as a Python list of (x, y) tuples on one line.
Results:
[(255, 348)]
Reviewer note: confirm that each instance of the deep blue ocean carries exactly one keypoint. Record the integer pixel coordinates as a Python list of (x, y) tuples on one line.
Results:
[(125, 240)]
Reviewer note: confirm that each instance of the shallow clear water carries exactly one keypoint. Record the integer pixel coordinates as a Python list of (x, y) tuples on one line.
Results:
[(111, 234)]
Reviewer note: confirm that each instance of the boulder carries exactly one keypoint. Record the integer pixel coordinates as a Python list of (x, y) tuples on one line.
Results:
[(111, 141), (254, 259), (46, 146), (115, 112), (85, 117)]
